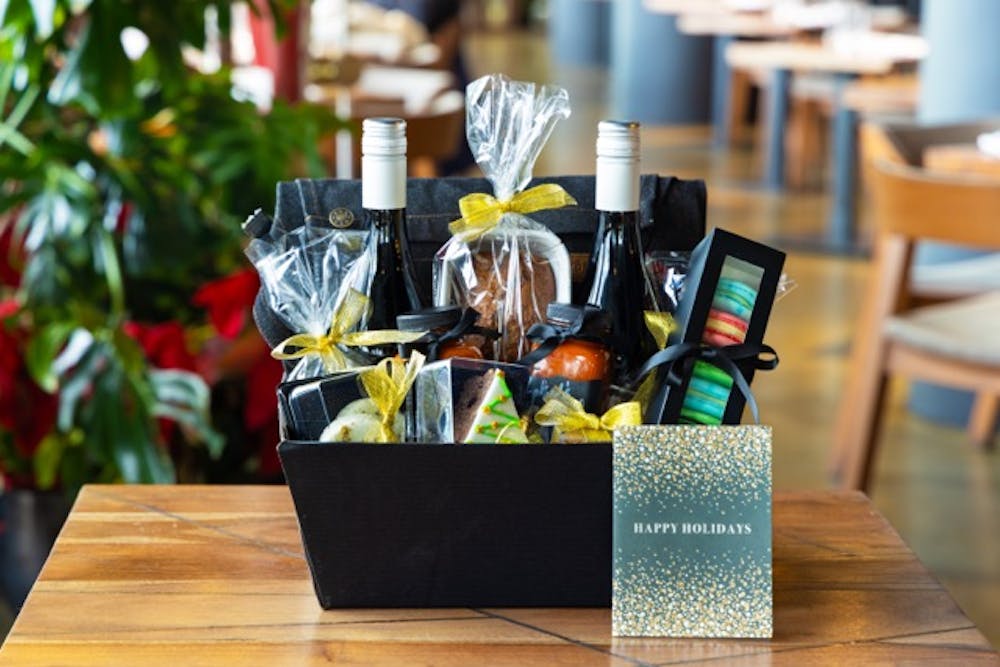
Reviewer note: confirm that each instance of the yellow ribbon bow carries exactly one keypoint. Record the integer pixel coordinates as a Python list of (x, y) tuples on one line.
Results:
[(345, 318), (573, 424), (387, 385), (481, 212), (660, 325)]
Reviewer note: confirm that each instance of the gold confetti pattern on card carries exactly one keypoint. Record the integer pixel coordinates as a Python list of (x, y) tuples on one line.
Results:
[(704, 487)]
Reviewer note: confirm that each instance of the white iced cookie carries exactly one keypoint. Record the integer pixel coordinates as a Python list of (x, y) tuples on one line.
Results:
[(496, 419), (359, 421)]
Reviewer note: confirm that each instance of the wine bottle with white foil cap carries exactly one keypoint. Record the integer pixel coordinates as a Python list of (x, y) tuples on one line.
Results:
[(616, 280), (393, 288)]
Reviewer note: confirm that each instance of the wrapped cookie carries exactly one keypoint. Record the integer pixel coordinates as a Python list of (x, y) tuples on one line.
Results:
[(378, 395), (500, 262), (305, 275)]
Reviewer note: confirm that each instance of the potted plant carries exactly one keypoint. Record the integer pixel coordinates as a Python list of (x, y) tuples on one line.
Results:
[(123, 180)]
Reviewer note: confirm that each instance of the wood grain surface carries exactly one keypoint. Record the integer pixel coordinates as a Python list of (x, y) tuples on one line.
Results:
[(964, 159), (807, 56), (169, 575)]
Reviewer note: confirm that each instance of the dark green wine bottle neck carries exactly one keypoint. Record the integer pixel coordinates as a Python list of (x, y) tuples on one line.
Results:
[(620, 218), (388, 222)]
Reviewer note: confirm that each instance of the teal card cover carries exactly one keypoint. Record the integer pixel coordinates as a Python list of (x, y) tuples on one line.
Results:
[(692, 532)]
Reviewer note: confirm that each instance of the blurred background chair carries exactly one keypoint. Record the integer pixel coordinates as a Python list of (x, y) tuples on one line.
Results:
[(951, 343), (909, 143)]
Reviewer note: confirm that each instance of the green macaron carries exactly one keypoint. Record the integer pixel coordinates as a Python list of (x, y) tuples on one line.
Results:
[(699, 417), (712, 374)]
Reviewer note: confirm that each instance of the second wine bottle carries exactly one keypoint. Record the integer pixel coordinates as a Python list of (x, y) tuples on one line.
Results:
[(616, 280), (393, 287)]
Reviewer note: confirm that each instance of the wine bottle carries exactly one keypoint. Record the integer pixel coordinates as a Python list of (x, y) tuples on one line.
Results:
[(616, 280), (393, 288)]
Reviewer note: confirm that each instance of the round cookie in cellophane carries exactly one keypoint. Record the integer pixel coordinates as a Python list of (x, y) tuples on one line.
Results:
[(499, 261)]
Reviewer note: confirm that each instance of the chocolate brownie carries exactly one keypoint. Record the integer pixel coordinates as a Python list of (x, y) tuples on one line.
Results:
[(465, 405)]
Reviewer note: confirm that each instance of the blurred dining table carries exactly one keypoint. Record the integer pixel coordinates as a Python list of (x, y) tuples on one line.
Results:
[(844, 55), (966, 158), (729, 20), (725, 27)]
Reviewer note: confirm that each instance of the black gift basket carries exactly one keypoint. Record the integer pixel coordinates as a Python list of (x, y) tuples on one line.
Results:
[(431, 525)]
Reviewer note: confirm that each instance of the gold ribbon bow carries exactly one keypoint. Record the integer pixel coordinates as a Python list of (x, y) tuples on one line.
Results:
[(345, 318), (573, 424), (660, 325), (481, 212), (387, 385)]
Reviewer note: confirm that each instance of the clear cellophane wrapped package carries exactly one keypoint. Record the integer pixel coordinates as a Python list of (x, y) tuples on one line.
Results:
[(306, 274), (499, 261)]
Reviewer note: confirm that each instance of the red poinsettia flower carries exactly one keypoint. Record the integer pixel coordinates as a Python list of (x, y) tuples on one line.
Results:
[(260, 416), (26, 411), (164, 344), (9, 308), (165, 347), (123, 217), (228, 300), (11, 255)]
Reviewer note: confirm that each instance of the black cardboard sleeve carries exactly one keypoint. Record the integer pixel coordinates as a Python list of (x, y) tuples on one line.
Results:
[(310, 405), (706, 266)]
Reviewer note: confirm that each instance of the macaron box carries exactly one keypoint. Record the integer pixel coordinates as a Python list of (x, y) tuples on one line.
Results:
[(731, 285)]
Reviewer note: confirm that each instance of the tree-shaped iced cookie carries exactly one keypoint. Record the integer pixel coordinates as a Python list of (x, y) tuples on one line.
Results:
[(495, 420)]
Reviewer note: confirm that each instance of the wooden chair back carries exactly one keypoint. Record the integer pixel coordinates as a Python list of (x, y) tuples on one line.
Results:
[(918, 205), (910, 205), (912, 139), (905, 142), (876, 144)]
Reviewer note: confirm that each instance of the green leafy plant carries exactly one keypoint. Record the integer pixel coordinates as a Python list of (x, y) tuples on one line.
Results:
[(122, 186)]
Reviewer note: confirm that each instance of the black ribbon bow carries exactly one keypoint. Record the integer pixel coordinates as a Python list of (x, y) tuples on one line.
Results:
[(549, 337), (465, 325), (680, 359)]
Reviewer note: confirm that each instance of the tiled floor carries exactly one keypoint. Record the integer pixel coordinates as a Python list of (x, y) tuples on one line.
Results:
[(939, 492)]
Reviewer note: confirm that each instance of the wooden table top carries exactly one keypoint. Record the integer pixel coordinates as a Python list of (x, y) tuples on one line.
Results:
[(761, 18), (961, 159), (173, 575), (812, 56), (686, 6), (738, 24)]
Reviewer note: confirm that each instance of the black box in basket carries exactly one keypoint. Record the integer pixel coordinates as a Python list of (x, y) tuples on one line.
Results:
[(730, 288), (431, 525)]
